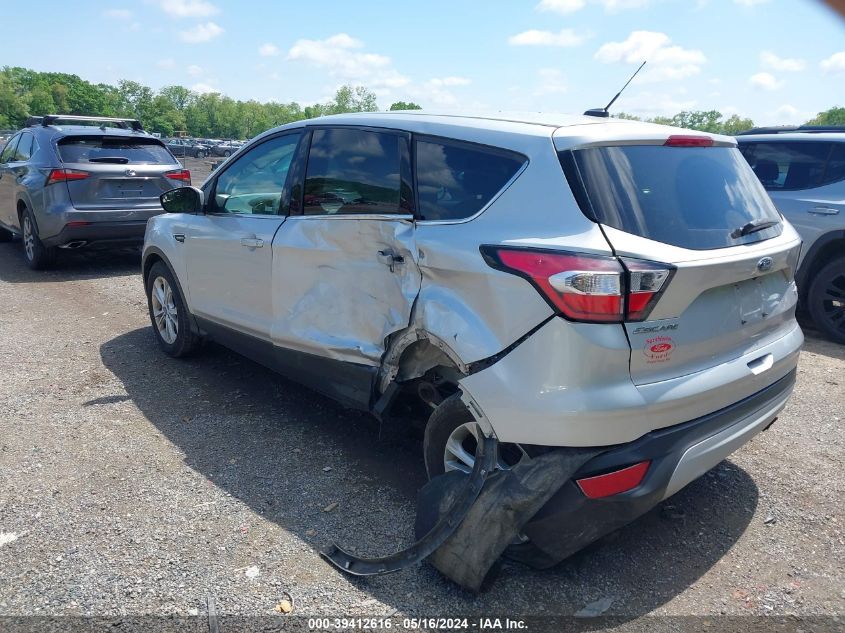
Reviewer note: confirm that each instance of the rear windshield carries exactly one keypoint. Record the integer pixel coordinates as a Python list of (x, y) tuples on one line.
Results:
[(692, 197), (114, 149)]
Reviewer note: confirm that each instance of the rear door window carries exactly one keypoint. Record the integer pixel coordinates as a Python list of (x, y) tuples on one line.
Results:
[(24, 149), (793, 165), (456, 180), (114, 149), (692, 197), (357, 171)]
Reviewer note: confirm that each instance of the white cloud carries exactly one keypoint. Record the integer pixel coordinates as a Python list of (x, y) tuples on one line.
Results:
[(201, 33), (194, 70), (167, 63), (786, 114), (342, 56), (772, 61), (268, 50), (188, 8), (750, 3), (665, 60), (612, 6), (561, 6), (651, 104), (563, 38), (203, 88), (766, 81), (835, 63), (450, 81), (119, 14), (550, 81)]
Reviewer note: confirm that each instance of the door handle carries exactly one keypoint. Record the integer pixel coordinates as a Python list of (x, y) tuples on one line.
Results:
[(823, 211), (390, 259), (252, 242), (179, 237)]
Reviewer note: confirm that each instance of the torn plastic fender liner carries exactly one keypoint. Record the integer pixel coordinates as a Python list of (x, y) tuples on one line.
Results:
[(510, 499), (461, 502)]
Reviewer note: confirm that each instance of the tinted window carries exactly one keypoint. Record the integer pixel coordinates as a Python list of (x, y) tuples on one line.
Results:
[(456, 180), (253, 183), (353, 171), (9, 149), (835, 169), (692, 197), (24, 149), (789, 165), (115, 149)]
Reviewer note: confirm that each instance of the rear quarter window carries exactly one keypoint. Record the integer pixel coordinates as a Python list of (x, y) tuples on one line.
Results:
[(456, 180), (114, 149)]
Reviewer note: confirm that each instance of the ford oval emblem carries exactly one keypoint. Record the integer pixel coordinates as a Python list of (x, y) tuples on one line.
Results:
[(765, 264), (130, 172)]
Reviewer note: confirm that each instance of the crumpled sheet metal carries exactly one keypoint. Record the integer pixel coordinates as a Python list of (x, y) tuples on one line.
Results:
[(332, 284), (507, 502)]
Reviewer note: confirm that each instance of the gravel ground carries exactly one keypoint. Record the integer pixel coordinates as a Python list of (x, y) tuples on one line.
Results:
[(132, 483)]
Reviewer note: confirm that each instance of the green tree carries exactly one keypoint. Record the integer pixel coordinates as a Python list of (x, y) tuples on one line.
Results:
[(405, 105), (736, 124), (352, 99), (833, 116)]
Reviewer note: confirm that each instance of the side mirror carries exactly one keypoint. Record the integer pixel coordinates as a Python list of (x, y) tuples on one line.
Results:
[(183, 200)]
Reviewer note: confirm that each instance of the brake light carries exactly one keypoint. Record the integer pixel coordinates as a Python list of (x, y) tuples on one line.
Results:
[(179, 174), (614, 483), (64, 175), (688, 140), (588, 288)]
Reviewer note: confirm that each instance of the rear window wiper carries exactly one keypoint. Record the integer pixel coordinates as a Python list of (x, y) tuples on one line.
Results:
[(753, 227), (117, 160)]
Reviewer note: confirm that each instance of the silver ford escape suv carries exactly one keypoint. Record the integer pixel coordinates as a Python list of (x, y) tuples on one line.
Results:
[(548, 281), (70, 182)]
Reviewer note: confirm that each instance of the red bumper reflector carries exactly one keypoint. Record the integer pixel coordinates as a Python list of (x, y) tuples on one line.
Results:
[(77, 223), (614, 483)]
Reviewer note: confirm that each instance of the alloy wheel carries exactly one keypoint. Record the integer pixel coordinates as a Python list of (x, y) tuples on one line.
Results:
[(28, 238), (165, 313), (462, 444), (833, 302)]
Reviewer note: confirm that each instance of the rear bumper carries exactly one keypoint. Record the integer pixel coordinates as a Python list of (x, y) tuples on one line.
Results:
[(678, 455), (99, 233)]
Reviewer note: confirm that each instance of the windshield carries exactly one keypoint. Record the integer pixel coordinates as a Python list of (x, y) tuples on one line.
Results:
[(693, 197)]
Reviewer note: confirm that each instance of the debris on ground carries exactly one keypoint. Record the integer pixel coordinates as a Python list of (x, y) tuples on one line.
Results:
[(252, 572), (770, 520), (7, 537), (330, 507), (594, 609)]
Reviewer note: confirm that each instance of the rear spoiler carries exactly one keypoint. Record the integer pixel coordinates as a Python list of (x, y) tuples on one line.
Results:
[(50, 119)]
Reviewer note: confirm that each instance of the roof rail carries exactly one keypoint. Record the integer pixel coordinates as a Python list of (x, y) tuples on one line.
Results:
[(781, 129), (50, 119)]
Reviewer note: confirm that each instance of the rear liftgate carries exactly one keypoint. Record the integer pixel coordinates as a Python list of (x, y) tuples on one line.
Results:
[(466, 523)]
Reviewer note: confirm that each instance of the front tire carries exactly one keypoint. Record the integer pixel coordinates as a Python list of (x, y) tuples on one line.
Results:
[(826, 300), (200, 154), (168, 313), (38, 256)]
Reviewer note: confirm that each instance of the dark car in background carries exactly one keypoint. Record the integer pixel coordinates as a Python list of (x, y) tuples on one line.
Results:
[(803, 169), (182, 148), (69, 182)]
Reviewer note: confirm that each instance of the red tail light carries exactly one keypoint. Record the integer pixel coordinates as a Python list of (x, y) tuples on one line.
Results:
[(614, 483), (64, 175), (589, 288), (688, 140), (179, 174)]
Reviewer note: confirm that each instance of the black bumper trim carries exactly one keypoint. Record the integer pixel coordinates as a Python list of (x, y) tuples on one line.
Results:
[(99, 232), (570, 521)]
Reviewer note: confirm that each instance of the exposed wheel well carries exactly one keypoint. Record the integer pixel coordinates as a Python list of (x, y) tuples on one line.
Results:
[(151, 259)]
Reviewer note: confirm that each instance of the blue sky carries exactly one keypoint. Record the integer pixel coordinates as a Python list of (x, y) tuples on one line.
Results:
[(777, 61)]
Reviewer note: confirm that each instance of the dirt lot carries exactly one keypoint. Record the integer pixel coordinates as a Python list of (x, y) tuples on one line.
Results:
[(132, 483)]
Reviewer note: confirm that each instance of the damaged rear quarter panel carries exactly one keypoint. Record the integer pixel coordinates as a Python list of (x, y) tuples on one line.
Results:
[(332, 295)]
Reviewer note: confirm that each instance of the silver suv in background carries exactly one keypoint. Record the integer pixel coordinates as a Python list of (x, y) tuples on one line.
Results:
[(67, 183), (553, 282), (803, 169)]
